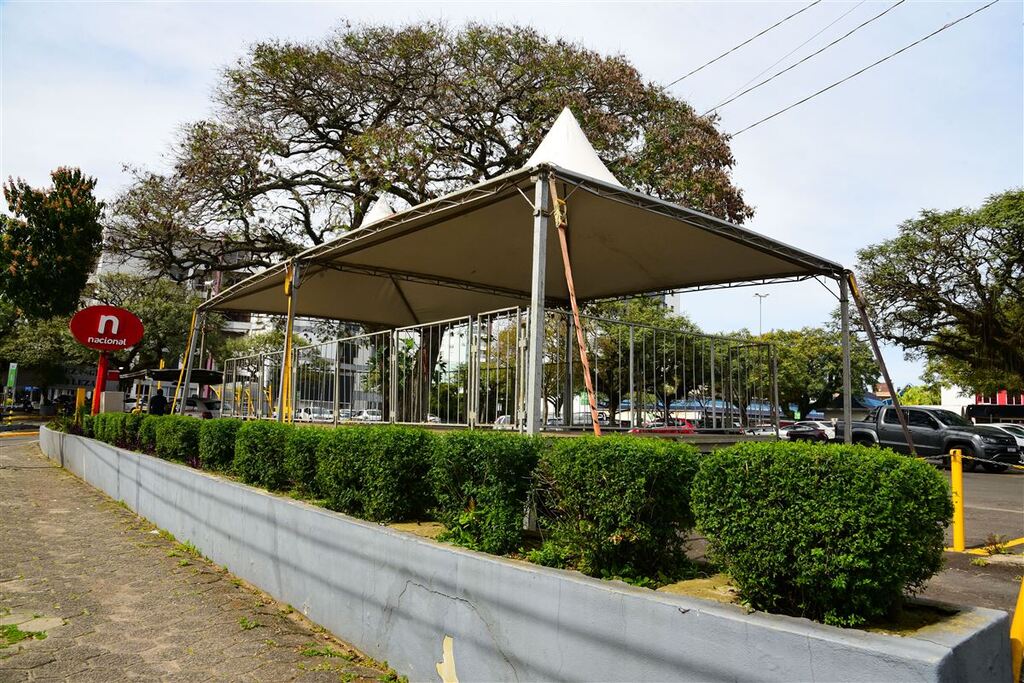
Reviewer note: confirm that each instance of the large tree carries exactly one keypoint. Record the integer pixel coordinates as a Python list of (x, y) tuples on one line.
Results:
[(307, 136), (50, 244), (810, 366), (950, 288)]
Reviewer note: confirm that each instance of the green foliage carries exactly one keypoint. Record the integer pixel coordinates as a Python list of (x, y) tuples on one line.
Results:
[(259, 453), (46, 346), (300, 457), (217, 443), (177, 438), (481, 481), (810, 366), (132, 423), (950, 288), (833, 533), (617, 506), (147, 433), (50, 245), (377, 473), (110, 428), (87, 426), (920, 396)]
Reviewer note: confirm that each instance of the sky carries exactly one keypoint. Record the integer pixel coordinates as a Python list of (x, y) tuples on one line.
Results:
[(105, 85)]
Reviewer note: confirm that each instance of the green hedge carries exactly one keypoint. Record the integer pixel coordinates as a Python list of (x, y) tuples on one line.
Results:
[(177, 438), (146, 435), (377, 473), (300, 457), (616, 506), (132, 423), (833, 533), (109, 428), (217, 443), (481, 481), (259, 453)]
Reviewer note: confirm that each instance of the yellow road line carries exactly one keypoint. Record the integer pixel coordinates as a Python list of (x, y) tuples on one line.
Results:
[(32, 433), (984, 550)]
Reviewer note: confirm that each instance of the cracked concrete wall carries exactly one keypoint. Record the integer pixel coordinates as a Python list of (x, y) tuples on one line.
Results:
[(396, 597)]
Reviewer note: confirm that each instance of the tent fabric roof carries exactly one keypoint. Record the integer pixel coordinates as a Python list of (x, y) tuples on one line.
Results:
[(471, 251)]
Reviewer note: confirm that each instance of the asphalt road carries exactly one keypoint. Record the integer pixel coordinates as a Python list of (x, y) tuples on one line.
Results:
[(993, 505)]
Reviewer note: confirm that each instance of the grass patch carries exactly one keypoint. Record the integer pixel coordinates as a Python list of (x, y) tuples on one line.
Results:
[(314, 650), (248, 624), (11, 635)]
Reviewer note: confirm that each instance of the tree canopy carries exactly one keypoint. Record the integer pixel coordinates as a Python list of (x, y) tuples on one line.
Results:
[(810, 366), (50, 245), (308, 135), (950, 288)]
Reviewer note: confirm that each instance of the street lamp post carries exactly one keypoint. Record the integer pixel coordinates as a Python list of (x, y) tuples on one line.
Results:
[(760, 302)]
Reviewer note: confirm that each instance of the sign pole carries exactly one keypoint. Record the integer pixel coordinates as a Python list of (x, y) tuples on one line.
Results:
[(101, 382)]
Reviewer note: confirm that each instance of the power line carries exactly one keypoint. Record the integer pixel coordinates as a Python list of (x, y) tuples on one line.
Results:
[(785, 56), (869, 66), (809, 56), (748, 40)]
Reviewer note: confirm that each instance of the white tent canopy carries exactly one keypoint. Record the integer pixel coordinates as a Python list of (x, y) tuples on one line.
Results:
[(472, 250)]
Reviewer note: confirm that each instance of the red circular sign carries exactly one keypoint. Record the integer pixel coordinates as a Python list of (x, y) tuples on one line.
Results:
[(107, 328)]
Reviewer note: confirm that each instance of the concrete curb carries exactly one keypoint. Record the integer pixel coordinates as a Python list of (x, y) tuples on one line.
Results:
[(416, 603)]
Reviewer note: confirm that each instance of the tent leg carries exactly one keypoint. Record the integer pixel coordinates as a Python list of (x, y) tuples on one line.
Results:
[(535, 348), (200, 323), (844, 308), (284, 402), (186, 368)]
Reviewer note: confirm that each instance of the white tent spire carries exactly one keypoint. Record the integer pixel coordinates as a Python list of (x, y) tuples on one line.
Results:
[(566, 145), (381, 208)]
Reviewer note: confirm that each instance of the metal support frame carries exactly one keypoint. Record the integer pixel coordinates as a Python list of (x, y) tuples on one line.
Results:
[(844, 309), (290, 285), (776, 408), (632, 382), (337, 381), (714, 399), (185, 377), (535, 350)]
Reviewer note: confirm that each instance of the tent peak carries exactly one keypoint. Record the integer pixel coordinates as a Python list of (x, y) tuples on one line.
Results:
[(567, 146), (381, 209)]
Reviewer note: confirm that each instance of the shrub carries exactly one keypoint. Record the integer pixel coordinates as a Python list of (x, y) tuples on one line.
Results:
[(481, 481), (146, 436), (617, 506), (378, 473), (217, 443), (259, 453), (833, 533), (132, 422), (88, 426), (110, 428), (177, 438), (300, 457)]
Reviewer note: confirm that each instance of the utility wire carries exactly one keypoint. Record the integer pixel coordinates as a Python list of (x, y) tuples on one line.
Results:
[(810, 56), (785, 56), (869, 66), (748, 40)]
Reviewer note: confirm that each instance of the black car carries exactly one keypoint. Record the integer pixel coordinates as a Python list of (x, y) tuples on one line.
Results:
[(806, 431)]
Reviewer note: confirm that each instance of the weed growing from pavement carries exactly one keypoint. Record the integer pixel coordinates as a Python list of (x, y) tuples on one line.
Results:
[(190, 548), (247, 624), (995, 544), (11, 634), (979, 562), (183, 563), (314, 650)]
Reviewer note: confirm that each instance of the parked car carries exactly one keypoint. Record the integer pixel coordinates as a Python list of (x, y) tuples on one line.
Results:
[(314, 414), (204, 408), (807, 431), (1016, 431), (369, 415), (935, 432), (673, 426)]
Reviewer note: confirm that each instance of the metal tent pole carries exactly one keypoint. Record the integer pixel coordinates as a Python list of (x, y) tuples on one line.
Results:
[(535, 350), (283, 403), (844, 308), (197, 323)]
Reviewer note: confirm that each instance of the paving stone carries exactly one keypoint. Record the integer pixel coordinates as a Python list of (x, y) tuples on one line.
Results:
[(41, 624), (115, 607)]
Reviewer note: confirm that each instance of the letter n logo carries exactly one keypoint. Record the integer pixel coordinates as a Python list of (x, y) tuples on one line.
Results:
[(114, 324)]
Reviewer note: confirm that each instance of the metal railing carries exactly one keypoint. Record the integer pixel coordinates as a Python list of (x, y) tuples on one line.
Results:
[(471, 372)]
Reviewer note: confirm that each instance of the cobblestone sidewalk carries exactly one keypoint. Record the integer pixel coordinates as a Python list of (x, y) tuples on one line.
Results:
[(91, 592)]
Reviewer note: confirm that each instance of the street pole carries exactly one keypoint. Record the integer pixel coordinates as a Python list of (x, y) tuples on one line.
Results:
[(760, 301), (844, 309), (535, 349)]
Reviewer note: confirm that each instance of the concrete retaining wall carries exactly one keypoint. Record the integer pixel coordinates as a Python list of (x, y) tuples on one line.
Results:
[(397, 597)]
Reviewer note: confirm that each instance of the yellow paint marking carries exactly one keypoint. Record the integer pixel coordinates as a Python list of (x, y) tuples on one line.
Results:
[(25, 433), (446, 667)]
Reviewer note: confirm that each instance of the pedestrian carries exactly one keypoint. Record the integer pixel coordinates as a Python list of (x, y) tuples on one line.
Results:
[(158, 404)]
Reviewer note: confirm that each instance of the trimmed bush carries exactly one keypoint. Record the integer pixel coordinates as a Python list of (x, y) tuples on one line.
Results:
[(177, 438), (300, 457), (616, 506), (833, 533), (259, 453), (110, 428), (132, 422), (377, 473), (88, 428), (217, 443), (146, 436), (481, 481)]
